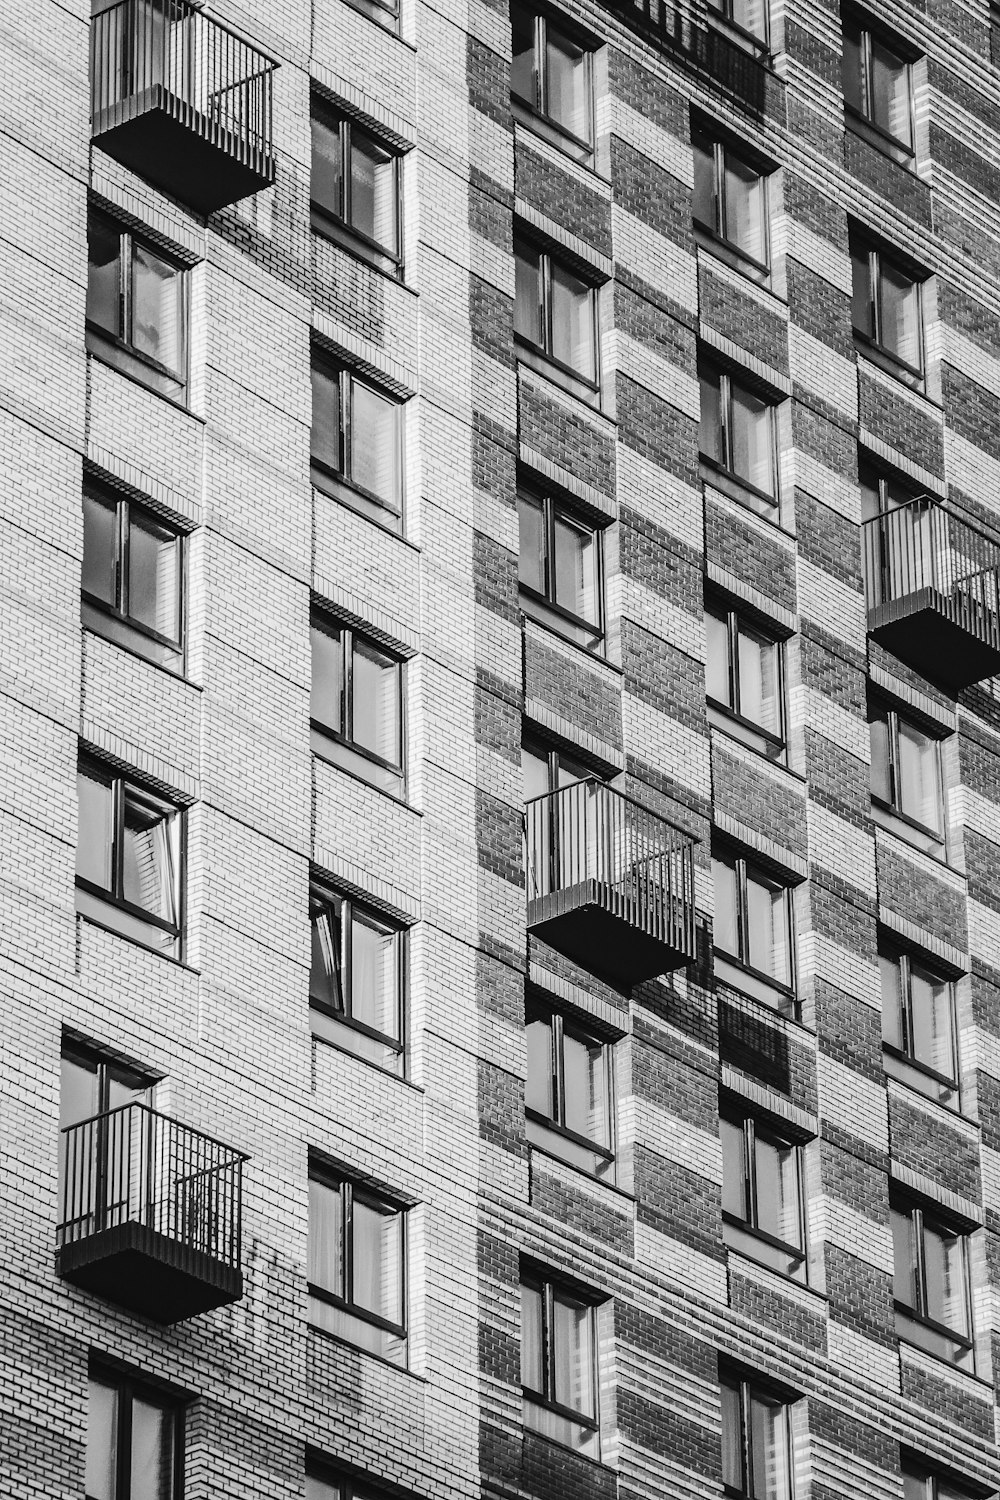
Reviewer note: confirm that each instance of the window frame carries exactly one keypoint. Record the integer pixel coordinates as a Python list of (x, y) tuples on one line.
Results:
[(901, 1062), (114, 622), (725, 377), (871, 343), (322, 897), (544, 608), (580, 148), (747, 1387), (103, 903), (720, 16), (736, 1232), (129, 1387), (338, 746), (340, 1484), (729, 718), (118, 348), (540, 356), (911, 1320), (743, 976), (570, 1145), (549, 1284), (336, 224), (860, 118), (932, 1479), (888, 812), (350, 1188), (715, 233), (340, 484)]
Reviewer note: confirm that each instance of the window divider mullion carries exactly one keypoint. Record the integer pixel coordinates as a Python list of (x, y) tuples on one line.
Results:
[(125, 287), (118, 838), (718, 187), (746, 1453), (347, 956), (347, 685), (750, 1168), (123, 1453), (123, 582), (347, 1243), (541, 82), (734, 660), (346, 412), (346, 206), (742, 915), (558, 1071), (550, 549), (917, 1223), (548, 1342)]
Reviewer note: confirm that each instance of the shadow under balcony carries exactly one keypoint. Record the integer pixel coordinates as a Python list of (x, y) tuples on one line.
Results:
[(932, 588), (610, 884), (181, 100), (151, 1214)]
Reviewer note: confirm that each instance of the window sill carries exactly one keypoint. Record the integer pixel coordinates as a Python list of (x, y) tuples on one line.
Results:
[(167, 958), (358, 249), (579, 152), (561, 624), (859, 125), (576, 386), (91, 627), (599, 1182), (746, 734), (595, 659), (941, 1359), (744, 1240), (730, 255), (755, 46), (144, 385), (379, 1359), (392, 31), (587, 1458), (765, 507), (363, 781), (736, 976), (906, 834), (341, 493), (953, 1113), (802, 1290), (875, 354), (325, 1041)]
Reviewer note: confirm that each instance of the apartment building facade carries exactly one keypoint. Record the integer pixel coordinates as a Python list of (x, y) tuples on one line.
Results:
[(500, 940)]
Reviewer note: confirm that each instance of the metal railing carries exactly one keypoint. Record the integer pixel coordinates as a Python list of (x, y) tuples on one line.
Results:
[(686, 29), (202, 71), (133, 1165), (641, 866), (924, 546)]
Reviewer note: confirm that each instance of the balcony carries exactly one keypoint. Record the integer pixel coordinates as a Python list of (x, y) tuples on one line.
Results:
[(150, 1214), (696, 33), (182, 101), (610, 884), (932, 591)]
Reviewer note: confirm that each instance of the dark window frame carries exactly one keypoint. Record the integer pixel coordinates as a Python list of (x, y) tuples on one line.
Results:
[(342, 1484), (931, 840), (581, 148), (715, 233), (541, 353), (114, 622), (549, 1284), (737, 616), (543, 607), (860, 119), (725, 377), (322, 898), (129, 1387), (339, 482), (911, 1319), (747, 1387), (753, 1124), (932, 1478), (539, 1007), (117, 347), (721, 17), (350, 1188), (338, 745), (748, 979), (904, 1062), (871, 343), (335, 223), (127, 787)]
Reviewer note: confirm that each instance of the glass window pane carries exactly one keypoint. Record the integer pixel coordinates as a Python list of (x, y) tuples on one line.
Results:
[(532, 1343), (881, 777), (732, 1436), (522, 68), (104, 275), (325, 972), (710, 430), (861, 290), (567, 68), (752, 439), (919, 777), (573, 322), (377, 1259), (153, 576), (78, 1094), (527, 292), (734, 1173), (585, 1077), (375, 975), (726, 925), (535, 773), (531, 531), (758, 679), (538, 1091), (152, 1452), (890, 93), (752, 16), (891, 978), (576, 569), (767, 927), (703, 203), (322, 1489), (769, 1466), (717, 658), (904, 1281), (327, 163), (932, 1021), (900, 309), (95, 837), (100, 548), (852, 70), (157, 309), (326, 1237), (572, 1337), (102, 1441), (778, 1206), (326, 699), (326, 417), (944, 1273), (375, 707), (744, 208), (147, 858), (373, 190), (375, 444)]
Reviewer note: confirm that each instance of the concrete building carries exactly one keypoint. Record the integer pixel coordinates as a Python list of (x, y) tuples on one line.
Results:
[(499, 799)]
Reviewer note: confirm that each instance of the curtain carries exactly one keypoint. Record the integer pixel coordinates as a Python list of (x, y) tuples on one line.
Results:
[(326, 1236), (573, 321), (102, 1441)]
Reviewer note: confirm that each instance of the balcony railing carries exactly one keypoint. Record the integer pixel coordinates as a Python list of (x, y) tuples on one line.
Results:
[(932, 587), (695, 33), (150, 1213), (609, 883), (182, 100)]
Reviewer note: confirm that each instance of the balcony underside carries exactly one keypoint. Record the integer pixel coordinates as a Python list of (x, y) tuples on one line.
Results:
[(953, 642), (149, 1273), (181, 150), (591, 924)]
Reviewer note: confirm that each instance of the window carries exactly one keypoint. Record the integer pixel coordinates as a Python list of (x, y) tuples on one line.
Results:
[(555, 315), (921, 1483), (356, 705), (763, 1207), (744, 20), (753, 930), (931, 1283), (551, 76), (730, 202), (559, 1361), (569, 1090), (357, 443), (355, 189), (128, 858), (885, 308), (559, 569), (919, 1032), (132, 572), (557, 855), (91, 1083), (737, 436), (907, 790), (743, 675), (878, 87), (324, 1483), (136, 307), (134, 1441), (756, 1441), (357, 1249), (356, 978)]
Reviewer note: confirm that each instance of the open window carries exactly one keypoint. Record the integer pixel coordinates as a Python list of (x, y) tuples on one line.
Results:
[(357, 978)]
